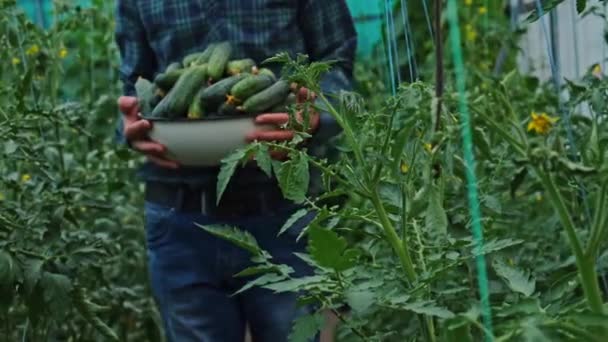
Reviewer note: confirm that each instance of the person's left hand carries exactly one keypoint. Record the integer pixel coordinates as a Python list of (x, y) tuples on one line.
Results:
[(281, 119)]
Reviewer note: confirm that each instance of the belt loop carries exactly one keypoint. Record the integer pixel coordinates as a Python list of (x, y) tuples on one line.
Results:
[(204, 202)]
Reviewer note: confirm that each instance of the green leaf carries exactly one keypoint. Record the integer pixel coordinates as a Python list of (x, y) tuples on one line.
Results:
[(236, 236), (297, 284), (580, 6), (32, 274), (292, 220), (56, 289), (510, 79), (261, 281), (10, 147), (250, 271), (492, 246), (262, 157), (229, 165), (7, 269), (360, 300), (493, 203), (524, 307), (516, 279), (398, 148), (435, 217), (458, 330), (588, 319), (306, 327), (123, 154), (428, 308), (329, 250), (294, 178), (481, 142), (531, 333)]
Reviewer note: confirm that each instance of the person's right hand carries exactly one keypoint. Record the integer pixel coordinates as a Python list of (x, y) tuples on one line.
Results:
[(136, 132)]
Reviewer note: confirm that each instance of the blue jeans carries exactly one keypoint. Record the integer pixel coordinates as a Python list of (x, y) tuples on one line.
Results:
[(192, 277)]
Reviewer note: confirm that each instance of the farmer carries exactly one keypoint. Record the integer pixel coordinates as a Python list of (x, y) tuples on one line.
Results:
[(192, 272)]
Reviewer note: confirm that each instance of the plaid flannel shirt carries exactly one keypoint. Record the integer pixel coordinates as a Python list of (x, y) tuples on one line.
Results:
[(151, 34)]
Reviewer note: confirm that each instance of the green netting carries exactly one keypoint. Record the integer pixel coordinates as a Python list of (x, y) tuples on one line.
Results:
[(368, 21), (41, 11)]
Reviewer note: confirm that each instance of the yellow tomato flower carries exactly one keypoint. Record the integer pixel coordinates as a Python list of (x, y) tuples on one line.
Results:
[(468, 2), (32, 50), (541, 123), (482, 10), (63, 53), (471, 34), (597, 71), (538, 197), (428, 147), (404, 167), (25, 178), (1, 196), (16, 61)]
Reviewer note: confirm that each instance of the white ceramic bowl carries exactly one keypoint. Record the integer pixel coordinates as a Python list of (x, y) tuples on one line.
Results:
[(202, 142)]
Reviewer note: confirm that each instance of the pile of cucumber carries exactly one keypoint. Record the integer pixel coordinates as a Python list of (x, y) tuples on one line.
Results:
[(209, 83)]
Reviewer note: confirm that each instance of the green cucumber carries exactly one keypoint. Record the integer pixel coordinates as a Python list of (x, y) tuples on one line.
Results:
[(216, 93), (218, 60), (284, 106), (196, 111), (199, 58), (187, 61), (176, 103), (228, 109), (239, 66), (165, 81), (250, 86), (267, 98), (266, 71), (173, 66), (145, 95)]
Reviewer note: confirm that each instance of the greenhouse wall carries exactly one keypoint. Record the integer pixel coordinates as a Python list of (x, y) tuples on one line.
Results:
[(576, 42)]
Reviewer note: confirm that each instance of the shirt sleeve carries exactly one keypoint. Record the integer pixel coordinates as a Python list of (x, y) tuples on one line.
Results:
[(136, 56), (329, 34)]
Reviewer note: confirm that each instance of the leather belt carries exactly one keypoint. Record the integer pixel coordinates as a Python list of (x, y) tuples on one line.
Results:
[(235, 203)]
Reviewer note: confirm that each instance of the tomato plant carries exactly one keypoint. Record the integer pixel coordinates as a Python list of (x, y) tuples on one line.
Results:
[(391, 240)]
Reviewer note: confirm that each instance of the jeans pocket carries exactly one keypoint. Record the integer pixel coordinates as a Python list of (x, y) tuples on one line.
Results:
[(157, 223)]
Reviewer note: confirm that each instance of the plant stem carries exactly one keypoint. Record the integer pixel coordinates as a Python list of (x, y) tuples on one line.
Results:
[(348, 131), (387, 139), (438, 64), (393, 238), (586, 267), (498, 129), (429, 320), (599, 223), (421, 249)]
